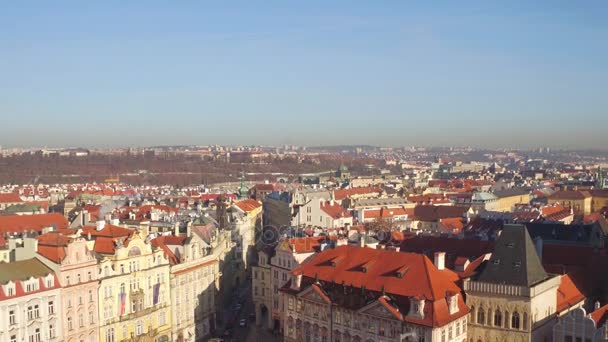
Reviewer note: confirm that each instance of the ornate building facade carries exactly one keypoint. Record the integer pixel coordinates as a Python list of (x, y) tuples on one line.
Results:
[(362, 294)]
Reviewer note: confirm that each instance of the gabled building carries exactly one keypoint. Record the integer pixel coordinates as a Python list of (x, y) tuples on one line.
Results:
[(362, 294), (245, 218), (134, 294), (76, 267)]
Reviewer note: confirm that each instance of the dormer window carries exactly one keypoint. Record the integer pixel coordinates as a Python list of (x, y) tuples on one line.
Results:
[(31, 285), (9, 289), (453, 303), (50, 282), (417, 307)]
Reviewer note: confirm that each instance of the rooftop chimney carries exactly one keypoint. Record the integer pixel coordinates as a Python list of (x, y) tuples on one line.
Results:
[(99, 225), (440, 260)]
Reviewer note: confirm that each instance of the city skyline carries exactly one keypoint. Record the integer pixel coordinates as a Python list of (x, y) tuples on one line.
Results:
[(119, 74)]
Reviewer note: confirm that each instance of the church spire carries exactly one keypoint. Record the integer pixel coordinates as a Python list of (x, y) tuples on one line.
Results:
[(243, 193)]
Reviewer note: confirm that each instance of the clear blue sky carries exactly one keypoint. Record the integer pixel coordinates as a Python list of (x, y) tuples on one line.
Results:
[(134, 73)]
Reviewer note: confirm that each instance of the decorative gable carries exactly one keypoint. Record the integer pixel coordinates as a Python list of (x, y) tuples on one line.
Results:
[(381, 310)]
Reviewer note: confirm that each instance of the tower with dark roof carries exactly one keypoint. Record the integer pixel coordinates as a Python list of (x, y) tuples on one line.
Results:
[(512, 298)]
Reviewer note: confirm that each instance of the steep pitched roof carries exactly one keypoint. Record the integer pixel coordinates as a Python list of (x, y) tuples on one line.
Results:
[(399, 275), (514, 260), (568, 294), (599, 316)]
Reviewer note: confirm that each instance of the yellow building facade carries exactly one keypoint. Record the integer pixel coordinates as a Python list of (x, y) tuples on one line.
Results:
[(134, 294)]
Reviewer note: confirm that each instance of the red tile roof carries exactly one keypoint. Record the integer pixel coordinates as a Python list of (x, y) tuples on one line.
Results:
[(335, 211), (308, 244), (108, 230), (248, 205), (599, 316), (10, 198), (163, 242), (358, 267), (387, 212), (568, 294), (52, 246), (27, 223)]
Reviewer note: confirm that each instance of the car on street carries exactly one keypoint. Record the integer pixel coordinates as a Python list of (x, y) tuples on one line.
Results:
[(252, 317), (243, 322)]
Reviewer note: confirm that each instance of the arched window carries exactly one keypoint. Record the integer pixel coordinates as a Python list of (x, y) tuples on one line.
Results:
[(135, 251), (481, 317), (110, 335), (473, 314), (497, 318), (515, 320)]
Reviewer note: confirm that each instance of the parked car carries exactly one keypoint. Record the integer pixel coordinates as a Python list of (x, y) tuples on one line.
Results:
[(252, 317), (243, 322)]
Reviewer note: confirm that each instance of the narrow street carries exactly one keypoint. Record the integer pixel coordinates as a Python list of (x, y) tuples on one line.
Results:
[(232, 317)]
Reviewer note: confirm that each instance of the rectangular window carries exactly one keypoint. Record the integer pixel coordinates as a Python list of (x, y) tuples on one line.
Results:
[(13, 338), (161, 318), (51, 331), (11, 317), (51, 307), (290, 304)]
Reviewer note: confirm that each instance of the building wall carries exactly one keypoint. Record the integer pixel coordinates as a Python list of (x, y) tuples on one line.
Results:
[(577, 325), (152, 319), (25, 327), (262, 291), (78, 277), (193, 292), (536, 312), (506, 204), (579, 206)]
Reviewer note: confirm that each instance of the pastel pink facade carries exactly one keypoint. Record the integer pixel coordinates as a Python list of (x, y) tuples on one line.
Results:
[(76, 266)]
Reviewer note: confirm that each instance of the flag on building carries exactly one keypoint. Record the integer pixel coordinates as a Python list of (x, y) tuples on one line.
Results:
[(122, 297), (156, 293)]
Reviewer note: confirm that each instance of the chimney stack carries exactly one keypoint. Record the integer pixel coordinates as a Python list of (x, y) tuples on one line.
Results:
[(100, 225), (440, 260)]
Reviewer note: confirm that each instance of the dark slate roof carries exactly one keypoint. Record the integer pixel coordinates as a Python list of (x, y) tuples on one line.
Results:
[(573, 233), (514, 260)]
